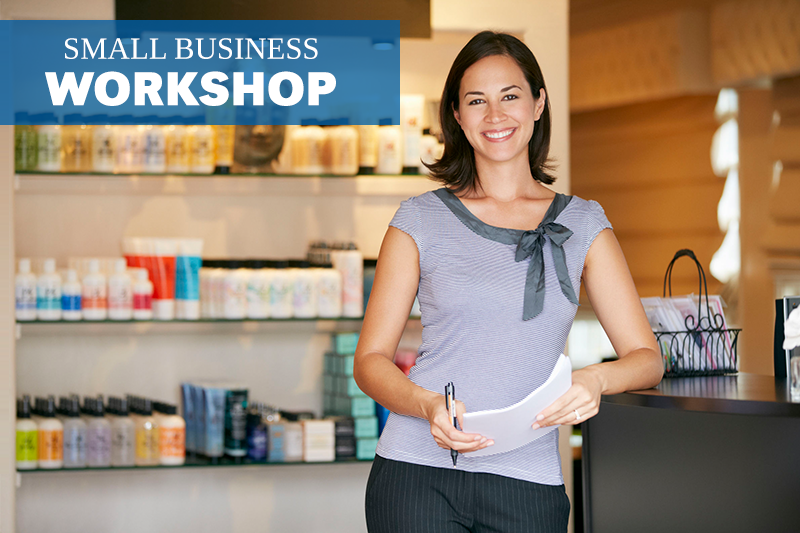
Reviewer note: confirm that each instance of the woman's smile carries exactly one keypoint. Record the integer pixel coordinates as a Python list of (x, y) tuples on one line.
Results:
[(499, 136)]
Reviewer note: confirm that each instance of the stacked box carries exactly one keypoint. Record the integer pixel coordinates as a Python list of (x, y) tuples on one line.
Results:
[(318, 441), (353, 410)]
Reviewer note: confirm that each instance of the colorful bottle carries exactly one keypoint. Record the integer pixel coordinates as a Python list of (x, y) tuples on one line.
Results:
[(235, 292), (123, 434), (51, 437), (94, 301), (146, 436), (120, 293), (201, 146), (171, 435), (98, 435), (305, 302), (48, 293), (25, 147), (390, 150), (142, 296), (128, 147), (49, 146), (343, 141), (27, 436), (329, 288), (281, 291), (178, 149), (103, 147), (225, 140), (154, 150), (76, 140), (71, 297), (350, 263), (25, 291), (367, 149), (74, 435), (258, 287)]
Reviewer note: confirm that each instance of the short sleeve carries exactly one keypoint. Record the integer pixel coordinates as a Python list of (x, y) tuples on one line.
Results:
[(597, 222), (408, 219)]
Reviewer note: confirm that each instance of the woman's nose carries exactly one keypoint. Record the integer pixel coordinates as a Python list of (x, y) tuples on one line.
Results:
[(494, 113)]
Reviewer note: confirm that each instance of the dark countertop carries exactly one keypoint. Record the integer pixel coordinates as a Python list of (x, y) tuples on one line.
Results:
[(743, 394)]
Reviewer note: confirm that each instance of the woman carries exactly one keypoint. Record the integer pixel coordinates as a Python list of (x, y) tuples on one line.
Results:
[(496, 259)]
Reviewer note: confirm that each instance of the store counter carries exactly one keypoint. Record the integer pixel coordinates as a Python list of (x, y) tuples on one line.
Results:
[(694, 455)]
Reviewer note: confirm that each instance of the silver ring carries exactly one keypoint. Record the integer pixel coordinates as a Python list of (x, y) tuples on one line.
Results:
[(577, 415)]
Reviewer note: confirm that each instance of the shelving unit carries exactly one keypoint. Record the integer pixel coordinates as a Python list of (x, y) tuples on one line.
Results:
[(191, 462)]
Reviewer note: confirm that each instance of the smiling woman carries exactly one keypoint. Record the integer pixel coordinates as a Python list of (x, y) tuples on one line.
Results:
[(497, 260)]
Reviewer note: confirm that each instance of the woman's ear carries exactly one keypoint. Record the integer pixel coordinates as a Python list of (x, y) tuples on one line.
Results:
[(539, 105), (455, 114)]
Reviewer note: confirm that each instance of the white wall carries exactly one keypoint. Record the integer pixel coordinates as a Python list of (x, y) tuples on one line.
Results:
[(280, 364)]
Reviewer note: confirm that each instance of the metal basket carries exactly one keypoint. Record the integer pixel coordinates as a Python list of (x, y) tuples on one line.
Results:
[(704, 348)]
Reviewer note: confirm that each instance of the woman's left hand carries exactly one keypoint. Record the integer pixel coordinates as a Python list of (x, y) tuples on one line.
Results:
[(583, 396)]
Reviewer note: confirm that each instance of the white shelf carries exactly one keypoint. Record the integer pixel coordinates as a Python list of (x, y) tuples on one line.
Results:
[(215, 185)]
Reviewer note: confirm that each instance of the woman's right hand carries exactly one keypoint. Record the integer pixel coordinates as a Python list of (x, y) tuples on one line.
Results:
[(443, 432)]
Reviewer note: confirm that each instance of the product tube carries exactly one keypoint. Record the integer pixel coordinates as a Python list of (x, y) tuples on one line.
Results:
[(214, 421), (236, 421), (187, 278), (162, 274), (199, 408), (188, 416)]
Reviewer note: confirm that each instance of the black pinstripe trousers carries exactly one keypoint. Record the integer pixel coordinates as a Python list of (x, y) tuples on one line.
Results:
[(408, 498)]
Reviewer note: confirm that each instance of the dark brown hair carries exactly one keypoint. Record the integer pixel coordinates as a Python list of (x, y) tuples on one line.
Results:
[(456, 169)]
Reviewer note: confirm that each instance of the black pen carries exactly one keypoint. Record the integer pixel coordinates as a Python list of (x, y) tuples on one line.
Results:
[(450, 402)]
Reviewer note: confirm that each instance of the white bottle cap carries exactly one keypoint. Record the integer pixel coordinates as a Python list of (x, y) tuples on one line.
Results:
[(72, 275), (94, 266), (49, 266), (120, 265), (24, 266), (142, 274)]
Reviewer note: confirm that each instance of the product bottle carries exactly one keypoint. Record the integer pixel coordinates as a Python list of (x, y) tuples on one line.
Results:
[(120, 293), (25, 146), (202, 149), (128, 145), (51, 437), (48, 293), (390, 150), (256, 434), (178, 149), (350, 263), (225, 139), (329, 287), (76, 140), (235, 292), (25, 291), (94, 301), (344, 150), (411, 110), (142, 296), (49, 145), (171, 436), (146, 436), (75, 435), (71, 297), (306, 297), (217, 284), (123, 435), (207, 266), (98, 445), (367, 149), (258, 284), (154, 150), (281, 291), (27, 436), (103, 153)]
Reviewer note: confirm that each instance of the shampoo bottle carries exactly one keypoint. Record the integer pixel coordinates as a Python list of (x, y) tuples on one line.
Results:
[(25, 292), (74, 435), (94, 301), (98, 446), (123, 435), (51, 437), (120, 293), (146, 436), (48, 293), (71, 297), (27, 436)]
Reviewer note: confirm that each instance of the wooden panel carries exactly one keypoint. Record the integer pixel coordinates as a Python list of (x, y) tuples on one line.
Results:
[(786, 144), (784, 202), (414, 15), (649, 167), (587, 15)]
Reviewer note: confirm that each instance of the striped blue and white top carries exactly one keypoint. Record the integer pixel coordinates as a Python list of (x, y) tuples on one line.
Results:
[(471, 293)]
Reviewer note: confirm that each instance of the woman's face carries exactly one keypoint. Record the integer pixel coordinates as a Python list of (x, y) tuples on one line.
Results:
[(497, 110)]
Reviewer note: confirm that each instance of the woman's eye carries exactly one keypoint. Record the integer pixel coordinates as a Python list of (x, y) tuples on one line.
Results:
[(511, 96), (476, 101)]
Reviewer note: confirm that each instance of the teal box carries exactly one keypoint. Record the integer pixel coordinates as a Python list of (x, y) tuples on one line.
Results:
[(351, 388), (347, 364), (329, 384), (345, 343), (330, 361), (355, 407), (365, 449), (366, 427)]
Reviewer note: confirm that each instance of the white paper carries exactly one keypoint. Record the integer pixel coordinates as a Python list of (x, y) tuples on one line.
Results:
[(510, 427)]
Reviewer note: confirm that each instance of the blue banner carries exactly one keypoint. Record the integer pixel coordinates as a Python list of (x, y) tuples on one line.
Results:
[(200, 72)]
